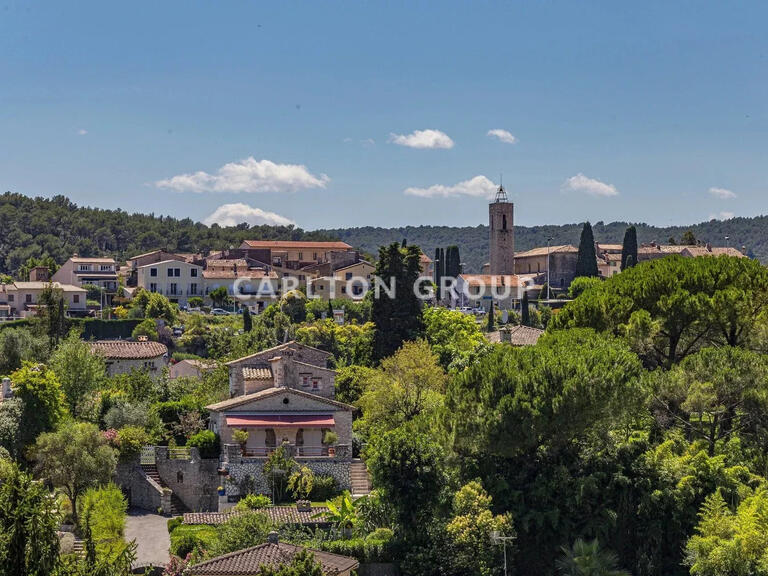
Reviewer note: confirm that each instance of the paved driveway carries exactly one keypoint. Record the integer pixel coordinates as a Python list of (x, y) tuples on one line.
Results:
[(150, 531)]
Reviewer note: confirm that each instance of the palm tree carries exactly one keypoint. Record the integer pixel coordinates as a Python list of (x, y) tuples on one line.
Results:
[(588, 559)]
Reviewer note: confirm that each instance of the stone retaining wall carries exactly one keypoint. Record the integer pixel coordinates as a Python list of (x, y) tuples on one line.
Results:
[(193, 480), (254, 467)]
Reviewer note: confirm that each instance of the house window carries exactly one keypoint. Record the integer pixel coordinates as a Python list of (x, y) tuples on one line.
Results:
[(193, 272), (83, 268), (76, 299), (153, 272), (10, 297), (348, 275), (316, 384), (152, 287), (305, 378), (180, 477), (106, 268), (193, 289), (314, 255), (28, 298), (173, 289), (301, 256), (343, 289)]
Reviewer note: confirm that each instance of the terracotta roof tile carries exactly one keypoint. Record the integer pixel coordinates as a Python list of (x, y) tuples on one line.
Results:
[(295, 245), (280, 514), (491, 279), (542, 251), (248, 562), (257, 373), (127, 350)]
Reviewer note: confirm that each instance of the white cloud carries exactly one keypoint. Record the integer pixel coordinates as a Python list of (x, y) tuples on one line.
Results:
[(503, 135), (82, 132), (581, 183), (722, 193), (722, 216), (422, 139), (479, 186), (249, 175), (234, 214), (368, 142)]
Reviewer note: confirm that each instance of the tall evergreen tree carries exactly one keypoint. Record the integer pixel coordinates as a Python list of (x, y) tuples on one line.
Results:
[(629, 248), (491, 318), (330, 309), (436, 272), (586, 265), (452, 262), (247, 320), (525, 311), (398, 319)]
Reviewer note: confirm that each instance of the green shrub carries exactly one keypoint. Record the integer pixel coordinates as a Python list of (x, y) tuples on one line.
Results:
[(188, 537), (380, 535), (361, 549), (105, 509), (254, 502), (242, 531), (324, 488), (174, 523), (206, 442), (130, 441), (147, 328)]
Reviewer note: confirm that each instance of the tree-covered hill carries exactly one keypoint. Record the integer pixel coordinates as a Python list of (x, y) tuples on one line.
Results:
[(35, 227)]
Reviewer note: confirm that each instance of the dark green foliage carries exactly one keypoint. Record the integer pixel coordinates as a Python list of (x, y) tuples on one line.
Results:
[(525, 310), (207, 442), (28, 523), (41, 399), (629, 248), (586, 265), (407, 466), (324, 488), (247, 320), (98, 329), (452, 261), (243, 531), (491, 318), (397, 319)]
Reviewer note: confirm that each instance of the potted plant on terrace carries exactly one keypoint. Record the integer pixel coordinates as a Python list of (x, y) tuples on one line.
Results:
[(241, 437), (330, 439)]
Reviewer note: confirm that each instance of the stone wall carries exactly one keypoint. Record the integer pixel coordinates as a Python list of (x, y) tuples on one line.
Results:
[(140, 490), (193, 480), (254, 468)]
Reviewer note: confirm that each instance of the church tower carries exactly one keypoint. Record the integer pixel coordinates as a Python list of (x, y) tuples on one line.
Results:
[(501, 220)]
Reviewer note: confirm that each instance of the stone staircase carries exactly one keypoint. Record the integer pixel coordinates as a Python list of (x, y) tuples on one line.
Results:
[(359, 478), (177, 506)]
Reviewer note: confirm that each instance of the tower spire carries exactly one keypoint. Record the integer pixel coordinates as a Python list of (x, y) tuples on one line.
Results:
[(501, 194)]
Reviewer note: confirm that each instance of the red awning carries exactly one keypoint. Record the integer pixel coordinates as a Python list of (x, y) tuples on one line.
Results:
[(283, 421)]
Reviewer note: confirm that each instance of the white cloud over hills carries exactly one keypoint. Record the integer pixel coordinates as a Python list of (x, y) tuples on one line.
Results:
[(478, 187), (249, 176), (722, 193), (591, 186), (423, 139), (237, 213)]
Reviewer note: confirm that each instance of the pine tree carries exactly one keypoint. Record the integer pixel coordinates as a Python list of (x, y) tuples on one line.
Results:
[(525, 312), (586, 265), (247, 320), (491, 318), (629, 248)]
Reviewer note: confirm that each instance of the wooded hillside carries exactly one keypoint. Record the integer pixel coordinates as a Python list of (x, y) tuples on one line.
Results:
[(34, 227)]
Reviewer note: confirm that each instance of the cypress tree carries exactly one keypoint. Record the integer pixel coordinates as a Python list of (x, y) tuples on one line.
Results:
[(586, 264), (452, 262), (247, 320), (491, 319), (330, 309), (629, 248), (525, 312)]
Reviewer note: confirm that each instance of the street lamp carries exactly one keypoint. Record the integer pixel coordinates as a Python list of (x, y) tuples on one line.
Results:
[(549, 240), (498, 538)]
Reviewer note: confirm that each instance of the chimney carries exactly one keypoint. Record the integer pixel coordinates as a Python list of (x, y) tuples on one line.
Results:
[(142, 338), (272, 538)]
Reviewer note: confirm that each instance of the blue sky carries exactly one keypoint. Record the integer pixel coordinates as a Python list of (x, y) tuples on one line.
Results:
[(378, 113)]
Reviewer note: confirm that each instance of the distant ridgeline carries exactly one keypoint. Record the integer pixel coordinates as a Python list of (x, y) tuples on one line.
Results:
[(34, 227)]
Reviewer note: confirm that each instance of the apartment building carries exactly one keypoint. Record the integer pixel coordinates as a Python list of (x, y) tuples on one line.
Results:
[(349, 282), (22, 299), (302, 260), (80, 271), (175, 279)]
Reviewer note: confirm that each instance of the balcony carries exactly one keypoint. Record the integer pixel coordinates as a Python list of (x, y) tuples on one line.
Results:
[(233, 454)]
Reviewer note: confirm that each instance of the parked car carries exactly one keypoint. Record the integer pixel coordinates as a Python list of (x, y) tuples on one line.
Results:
[(220, 312)]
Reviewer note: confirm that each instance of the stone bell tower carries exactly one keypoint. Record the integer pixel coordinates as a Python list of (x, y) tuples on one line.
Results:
[(501, 221)]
